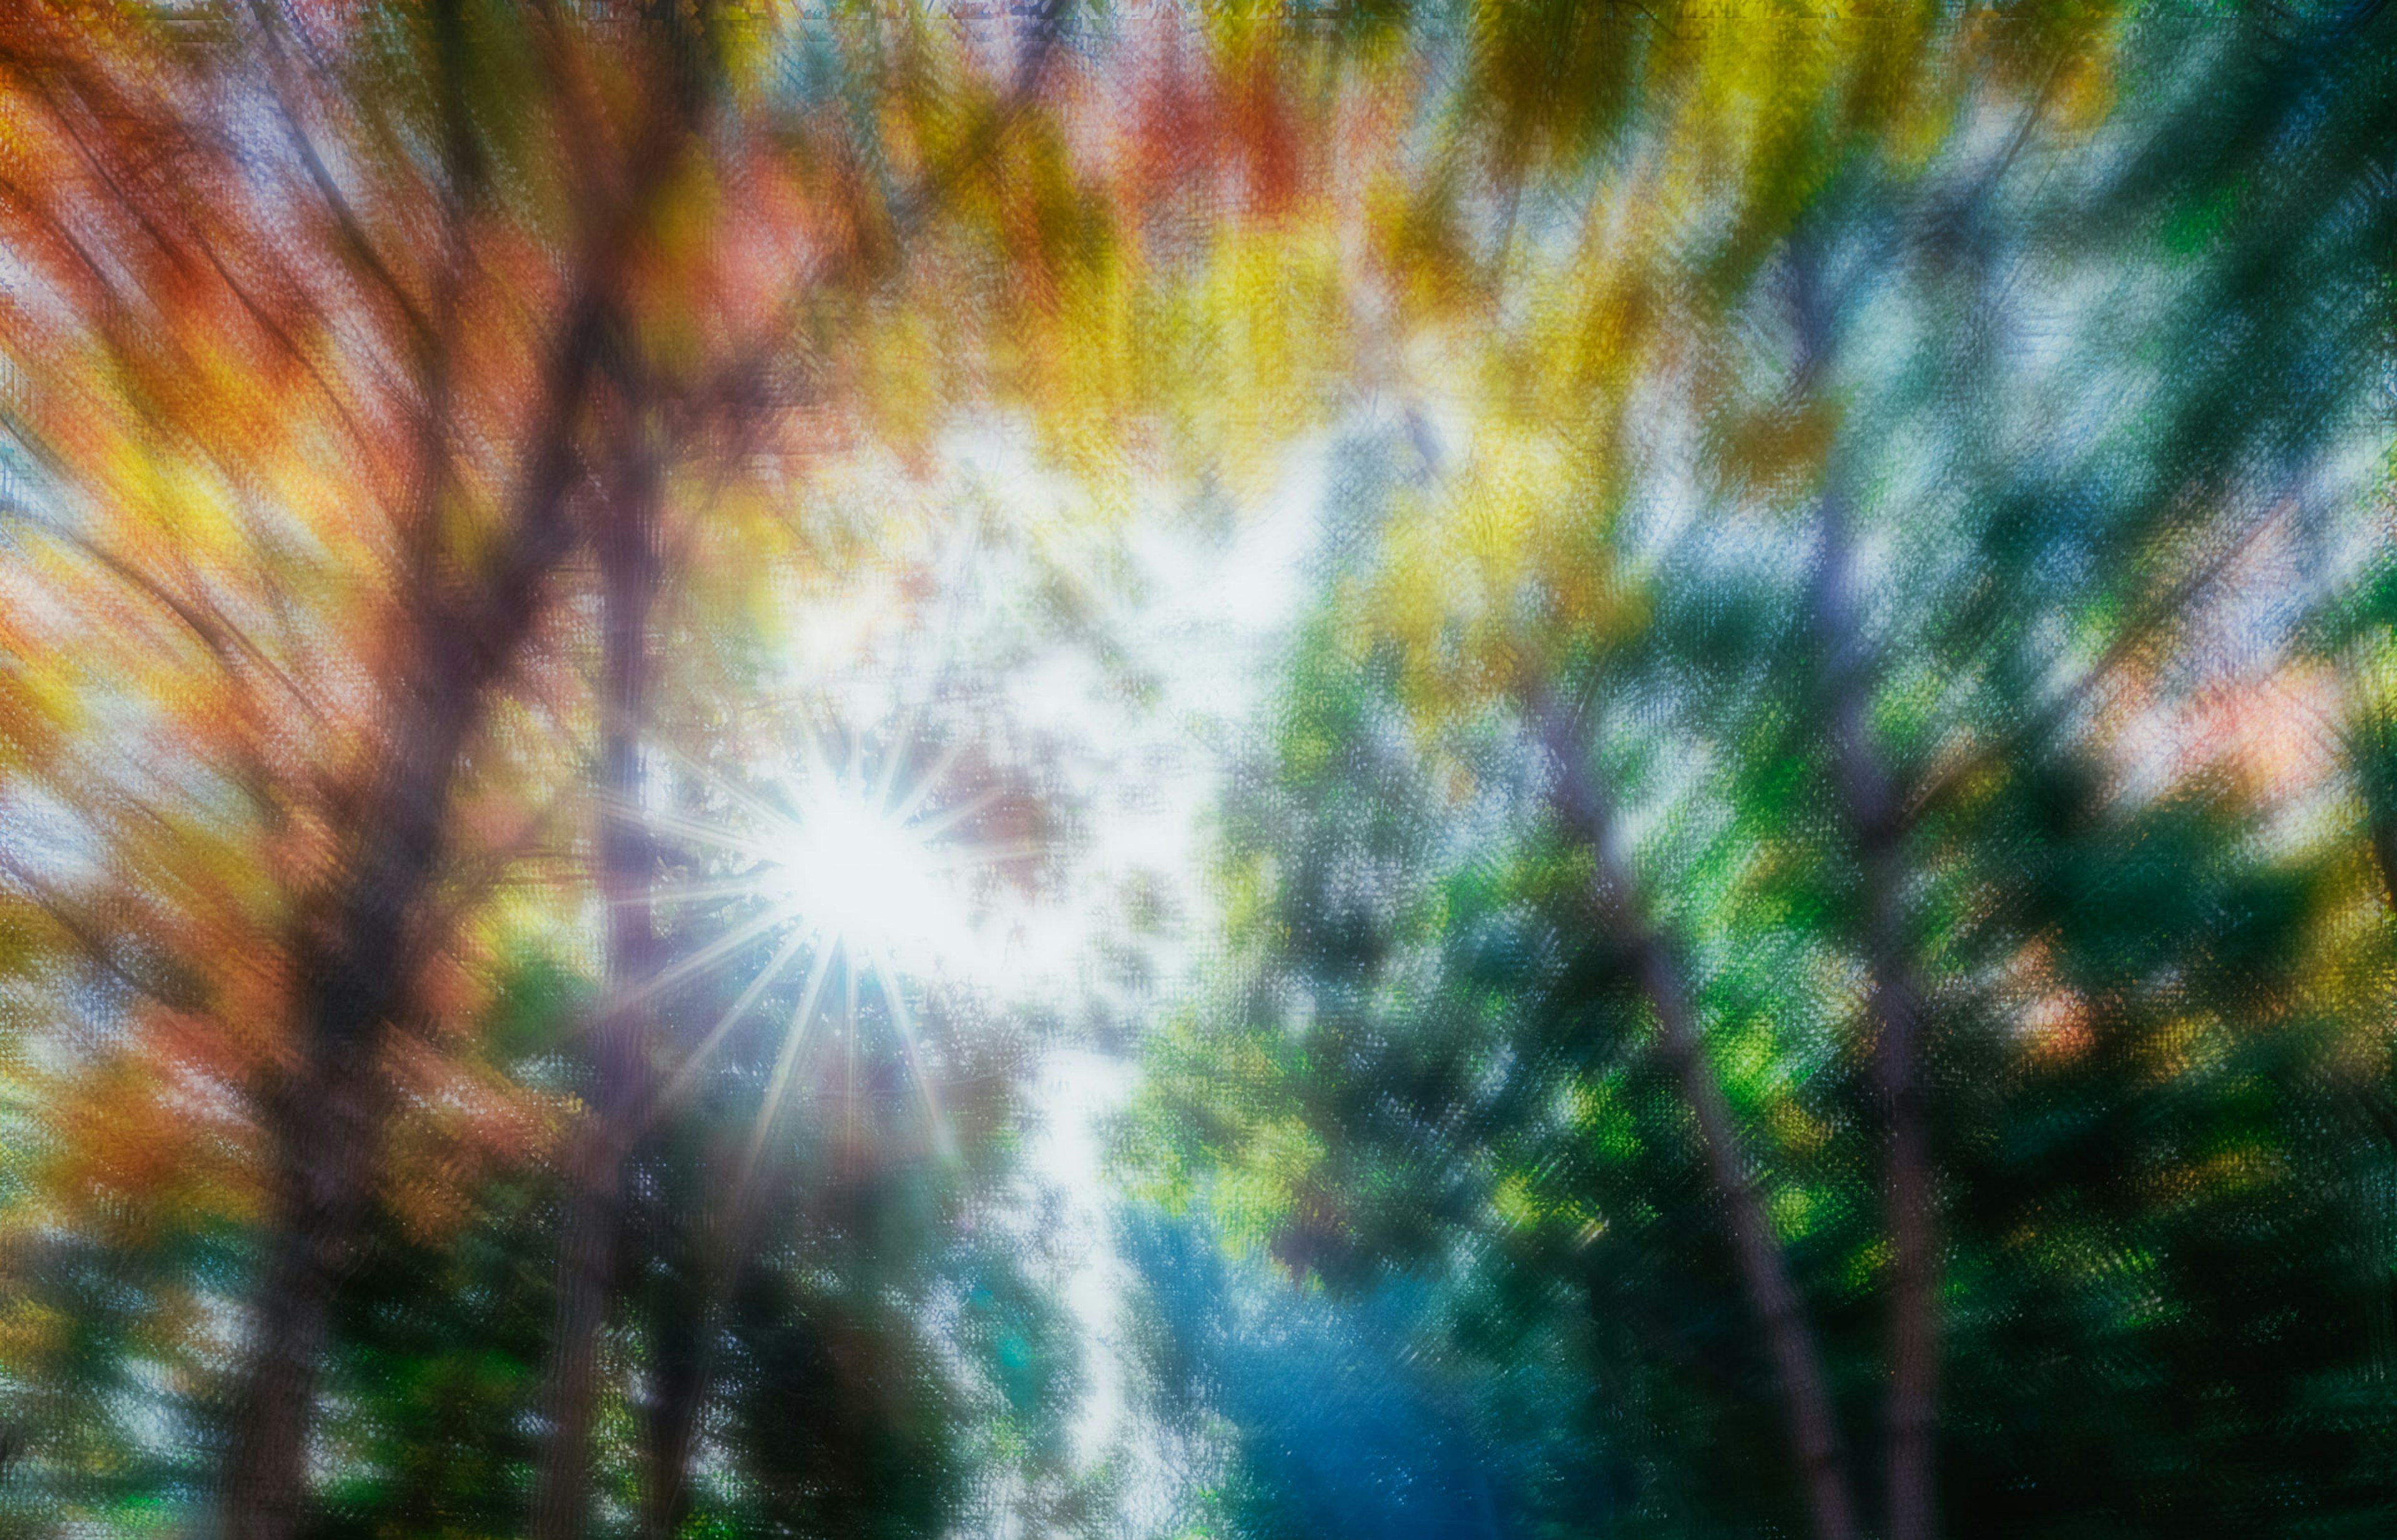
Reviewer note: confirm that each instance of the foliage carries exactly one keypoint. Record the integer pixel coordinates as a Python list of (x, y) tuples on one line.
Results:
[(1801, 943)]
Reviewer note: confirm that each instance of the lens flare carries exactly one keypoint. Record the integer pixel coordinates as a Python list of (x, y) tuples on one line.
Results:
[(851, 868)]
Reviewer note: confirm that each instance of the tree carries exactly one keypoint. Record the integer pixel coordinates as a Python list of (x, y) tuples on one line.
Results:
[(242, 359), (1810, 601)]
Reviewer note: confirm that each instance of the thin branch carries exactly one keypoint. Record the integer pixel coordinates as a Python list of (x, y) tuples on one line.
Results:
[(177, 993), (337, 202)]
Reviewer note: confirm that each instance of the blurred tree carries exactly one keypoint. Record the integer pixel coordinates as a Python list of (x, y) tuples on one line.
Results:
[(203, 418), (1847, 492), (248, 389)]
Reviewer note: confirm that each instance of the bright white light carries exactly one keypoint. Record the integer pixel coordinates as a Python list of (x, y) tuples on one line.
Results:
[(861, 875), (861, 883)]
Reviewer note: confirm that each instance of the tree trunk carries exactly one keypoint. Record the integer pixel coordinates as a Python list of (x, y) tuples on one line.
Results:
[(1876, 824), (328, 1129), (628, 541), (1764, 1272), (325, 1114), (356, 960), (720, 1248), (1876, 827)]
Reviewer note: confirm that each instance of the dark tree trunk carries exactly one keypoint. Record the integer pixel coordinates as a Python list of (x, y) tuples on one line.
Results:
[(327, 1131), (325, 1114), (627, 541), (357, 959), (1764, 1272), (1876, 825), (690, 1326), (1874, 815)]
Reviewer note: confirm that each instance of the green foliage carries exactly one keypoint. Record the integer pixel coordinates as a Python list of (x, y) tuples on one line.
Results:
[(2156, 991)]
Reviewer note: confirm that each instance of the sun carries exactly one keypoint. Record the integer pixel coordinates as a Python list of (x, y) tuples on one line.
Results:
[(861, 882), (866, 876)]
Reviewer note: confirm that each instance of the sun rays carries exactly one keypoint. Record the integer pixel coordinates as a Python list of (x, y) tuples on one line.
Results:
[(859, 877)]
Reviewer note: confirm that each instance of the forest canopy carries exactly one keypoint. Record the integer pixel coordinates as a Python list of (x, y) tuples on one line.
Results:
[(1536, 768)]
